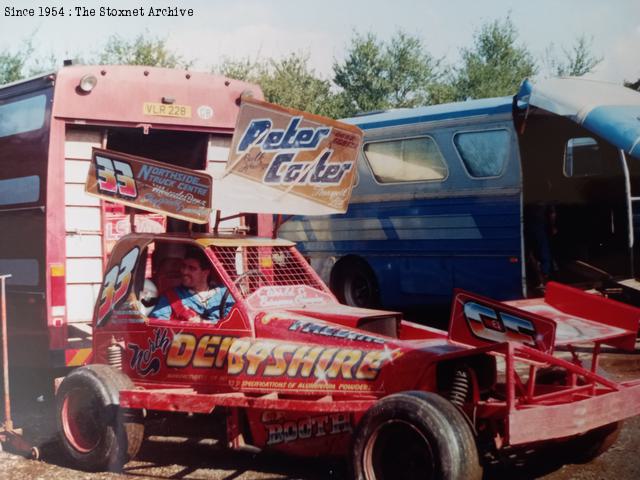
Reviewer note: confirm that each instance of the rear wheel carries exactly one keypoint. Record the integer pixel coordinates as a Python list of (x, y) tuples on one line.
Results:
[(593, 443), (95, 433), (415, 435), (355, 284)]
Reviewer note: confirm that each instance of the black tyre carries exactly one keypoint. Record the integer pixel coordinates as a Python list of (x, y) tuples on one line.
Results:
[(415, 435), (95, 433), (355, 284), (594, 443)]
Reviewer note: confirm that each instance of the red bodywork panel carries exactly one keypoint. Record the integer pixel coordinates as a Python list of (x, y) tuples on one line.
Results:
[(213, 101), (304, 368), (583, 317)]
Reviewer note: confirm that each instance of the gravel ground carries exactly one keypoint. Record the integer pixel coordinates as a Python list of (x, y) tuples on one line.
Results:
[(181, 458)]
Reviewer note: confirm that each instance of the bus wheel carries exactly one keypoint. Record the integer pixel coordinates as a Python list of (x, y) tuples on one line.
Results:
[(95, 433), (355, 284), (414, 435)]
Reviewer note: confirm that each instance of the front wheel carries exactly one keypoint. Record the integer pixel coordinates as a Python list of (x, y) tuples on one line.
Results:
[(95, 433), (415, 435)]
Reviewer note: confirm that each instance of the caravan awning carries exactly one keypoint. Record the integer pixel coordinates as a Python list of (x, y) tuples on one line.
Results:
[(609, 110)]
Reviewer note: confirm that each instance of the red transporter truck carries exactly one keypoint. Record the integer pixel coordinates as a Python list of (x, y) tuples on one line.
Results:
[(56, 239), (287, 368)]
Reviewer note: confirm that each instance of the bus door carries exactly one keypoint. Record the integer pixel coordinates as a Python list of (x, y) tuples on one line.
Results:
[(579, 179), (575, 203)]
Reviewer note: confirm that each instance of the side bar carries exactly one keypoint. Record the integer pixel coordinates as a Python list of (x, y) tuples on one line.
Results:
[(186, 400)]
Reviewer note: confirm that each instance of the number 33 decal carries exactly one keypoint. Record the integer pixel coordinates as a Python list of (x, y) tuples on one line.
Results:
[(116, 284), (115, 176)]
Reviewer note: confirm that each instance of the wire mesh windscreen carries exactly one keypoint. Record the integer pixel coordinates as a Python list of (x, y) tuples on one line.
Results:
[(253, 267)]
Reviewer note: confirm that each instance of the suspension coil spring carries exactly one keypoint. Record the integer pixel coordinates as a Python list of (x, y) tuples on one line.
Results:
[(114, 356), (460, 387)]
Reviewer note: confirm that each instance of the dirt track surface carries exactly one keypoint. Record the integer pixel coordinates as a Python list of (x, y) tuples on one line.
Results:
[(180, 458)]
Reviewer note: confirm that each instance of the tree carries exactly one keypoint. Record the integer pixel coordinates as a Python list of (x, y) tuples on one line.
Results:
[(443, 90), (288, 81), (495, 65), (377, 75), (412, 71), (244, 69), (12, 65), (576, 62), (22, 63), (362, 76), (143, 50)]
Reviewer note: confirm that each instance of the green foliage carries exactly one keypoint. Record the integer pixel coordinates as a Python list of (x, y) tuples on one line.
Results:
[(362, 75), (443, 91), (412, 72), (12, 65), (292, 83), (577, 61), (375, 75), (143, 50), (47, 63), (22, 63), (495, 65), (243, 69), (289, 82)]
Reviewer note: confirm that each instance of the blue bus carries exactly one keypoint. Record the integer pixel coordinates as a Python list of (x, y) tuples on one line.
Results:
[(496, 196)]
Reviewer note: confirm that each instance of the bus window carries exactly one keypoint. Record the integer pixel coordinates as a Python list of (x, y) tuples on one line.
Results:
[(24, 115), (24, 271), (485, 153), (14, 191), (583, 158), (406, 160)]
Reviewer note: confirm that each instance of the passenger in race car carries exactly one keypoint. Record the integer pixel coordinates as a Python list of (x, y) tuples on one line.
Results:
[(194, 300)]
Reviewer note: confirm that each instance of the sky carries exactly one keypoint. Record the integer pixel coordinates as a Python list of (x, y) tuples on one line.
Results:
[(273, 28)]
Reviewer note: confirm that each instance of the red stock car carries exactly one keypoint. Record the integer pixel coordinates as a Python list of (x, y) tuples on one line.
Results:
[(290, 369)]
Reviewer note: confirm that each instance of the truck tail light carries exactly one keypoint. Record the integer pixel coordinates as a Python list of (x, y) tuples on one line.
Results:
[(57, 304), (58, 294)]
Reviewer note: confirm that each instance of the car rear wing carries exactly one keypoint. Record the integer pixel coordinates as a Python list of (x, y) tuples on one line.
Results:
[(565, 316)]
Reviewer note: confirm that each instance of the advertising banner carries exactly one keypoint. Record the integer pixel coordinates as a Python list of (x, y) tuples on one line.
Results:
[(290, 162), (150, 185)]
